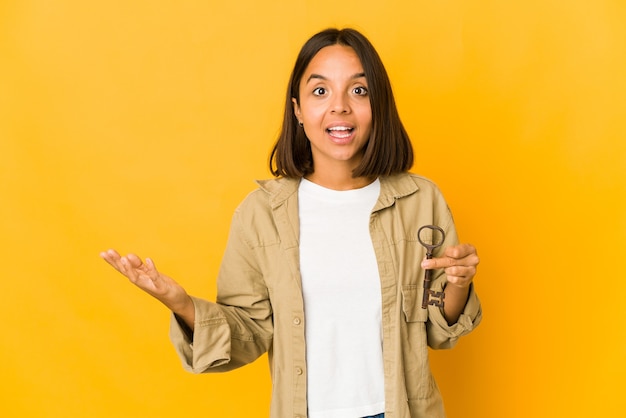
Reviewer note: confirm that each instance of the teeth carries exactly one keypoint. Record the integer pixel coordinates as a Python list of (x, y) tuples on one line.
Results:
[(339, 128)]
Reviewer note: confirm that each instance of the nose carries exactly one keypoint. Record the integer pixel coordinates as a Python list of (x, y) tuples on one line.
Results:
[(340, 104)]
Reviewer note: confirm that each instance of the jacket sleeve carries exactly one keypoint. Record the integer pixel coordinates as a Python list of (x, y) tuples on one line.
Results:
[(443, 336), (440, 334), (237, 328)]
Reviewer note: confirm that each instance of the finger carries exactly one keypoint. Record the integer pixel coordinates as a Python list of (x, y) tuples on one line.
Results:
[(134, 261), (139, 272), (109, 255), (113, 258), (438, 263), (461, 272), (151, 269), (459, 281), (460, 255), (127, 269), (459, 251)]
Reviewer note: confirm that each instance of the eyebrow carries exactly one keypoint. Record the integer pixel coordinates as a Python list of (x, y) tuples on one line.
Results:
[(321, 77)]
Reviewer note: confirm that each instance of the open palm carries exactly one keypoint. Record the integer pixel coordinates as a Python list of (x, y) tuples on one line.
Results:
[(145, 276)]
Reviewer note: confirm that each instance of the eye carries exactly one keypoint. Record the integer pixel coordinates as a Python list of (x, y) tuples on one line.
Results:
[(319, 91), (360, 91)]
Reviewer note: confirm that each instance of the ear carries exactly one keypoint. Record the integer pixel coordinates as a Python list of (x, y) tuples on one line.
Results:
[(296, 108)]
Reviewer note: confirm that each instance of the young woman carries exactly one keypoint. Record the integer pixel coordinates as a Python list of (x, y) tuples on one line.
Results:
[(323, 268)]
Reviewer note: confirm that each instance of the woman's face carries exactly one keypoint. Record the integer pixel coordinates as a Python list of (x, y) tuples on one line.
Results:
[(335, 108)]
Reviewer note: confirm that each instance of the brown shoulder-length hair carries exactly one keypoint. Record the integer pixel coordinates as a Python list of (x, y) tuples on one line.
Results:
[(388, 150)]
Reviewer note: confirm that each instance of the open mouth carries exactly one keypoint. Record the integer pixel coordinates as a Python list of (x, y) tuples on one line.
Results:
[(340, 131)]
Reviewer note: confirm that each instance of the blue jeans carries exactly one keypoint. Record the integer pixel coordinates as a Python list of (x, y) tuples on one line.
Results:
[(376, 416)]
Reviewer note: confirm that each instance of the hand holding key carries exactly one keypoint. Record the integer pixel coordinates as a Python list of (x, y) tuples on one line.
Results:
[(459, 263)]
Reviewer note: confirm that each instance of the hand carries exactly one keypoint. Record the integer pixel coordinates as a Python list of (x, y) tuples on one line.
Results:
[(147, 278), (459, 263)]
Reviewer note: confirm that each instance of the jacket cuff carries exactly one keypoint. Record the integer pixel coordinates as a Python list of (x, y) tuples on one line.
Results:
[(468, 320), (208, 345)]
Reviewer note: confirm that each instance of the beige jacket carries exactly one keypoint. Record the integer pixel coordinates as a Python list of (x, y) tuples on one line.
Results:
[(259, 301)]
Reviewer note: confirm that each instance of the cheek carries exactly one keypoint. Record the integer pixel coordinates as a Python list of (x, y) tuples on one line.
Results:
[(312, 113), (365, 119), (365, 113)]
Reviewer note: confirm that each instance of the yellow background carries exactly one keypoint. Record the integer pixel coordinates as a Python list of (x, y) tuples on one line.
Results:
[(140, 125)]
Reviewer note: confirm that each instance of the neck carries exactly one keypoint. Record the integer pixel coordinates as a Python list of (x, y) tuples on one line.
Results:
[(338, 180)]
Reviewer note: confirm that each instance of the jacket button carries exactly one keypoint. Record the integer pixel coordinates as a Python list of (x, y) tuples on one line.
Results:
[(297, 321), (298, 370)]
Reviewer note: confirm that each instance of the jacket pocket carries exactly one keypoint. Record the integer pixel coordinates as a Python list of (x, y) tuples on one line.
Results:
[(412, 303), (418, 379)]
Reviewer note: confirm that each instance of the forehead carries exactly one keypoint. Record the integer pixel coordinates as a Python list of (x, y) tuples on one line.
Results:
[(334, 60)]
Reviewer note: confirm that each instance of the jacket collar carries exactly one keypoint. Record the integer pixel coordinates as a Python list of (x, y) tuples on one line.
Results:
[(279, 189), (392, 188)]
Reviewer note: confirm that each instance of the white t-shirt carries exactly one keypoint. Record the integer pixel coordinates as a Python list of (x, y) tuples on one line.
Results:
[(342, 302)]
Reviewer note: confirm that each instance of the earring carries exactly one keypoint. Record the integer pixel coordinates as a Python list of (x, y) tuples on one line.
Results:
[(300, 123)]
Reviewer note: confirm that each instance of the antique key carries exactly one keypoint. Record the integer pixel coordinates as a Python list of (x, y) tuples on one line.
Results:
[(437, 237)]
